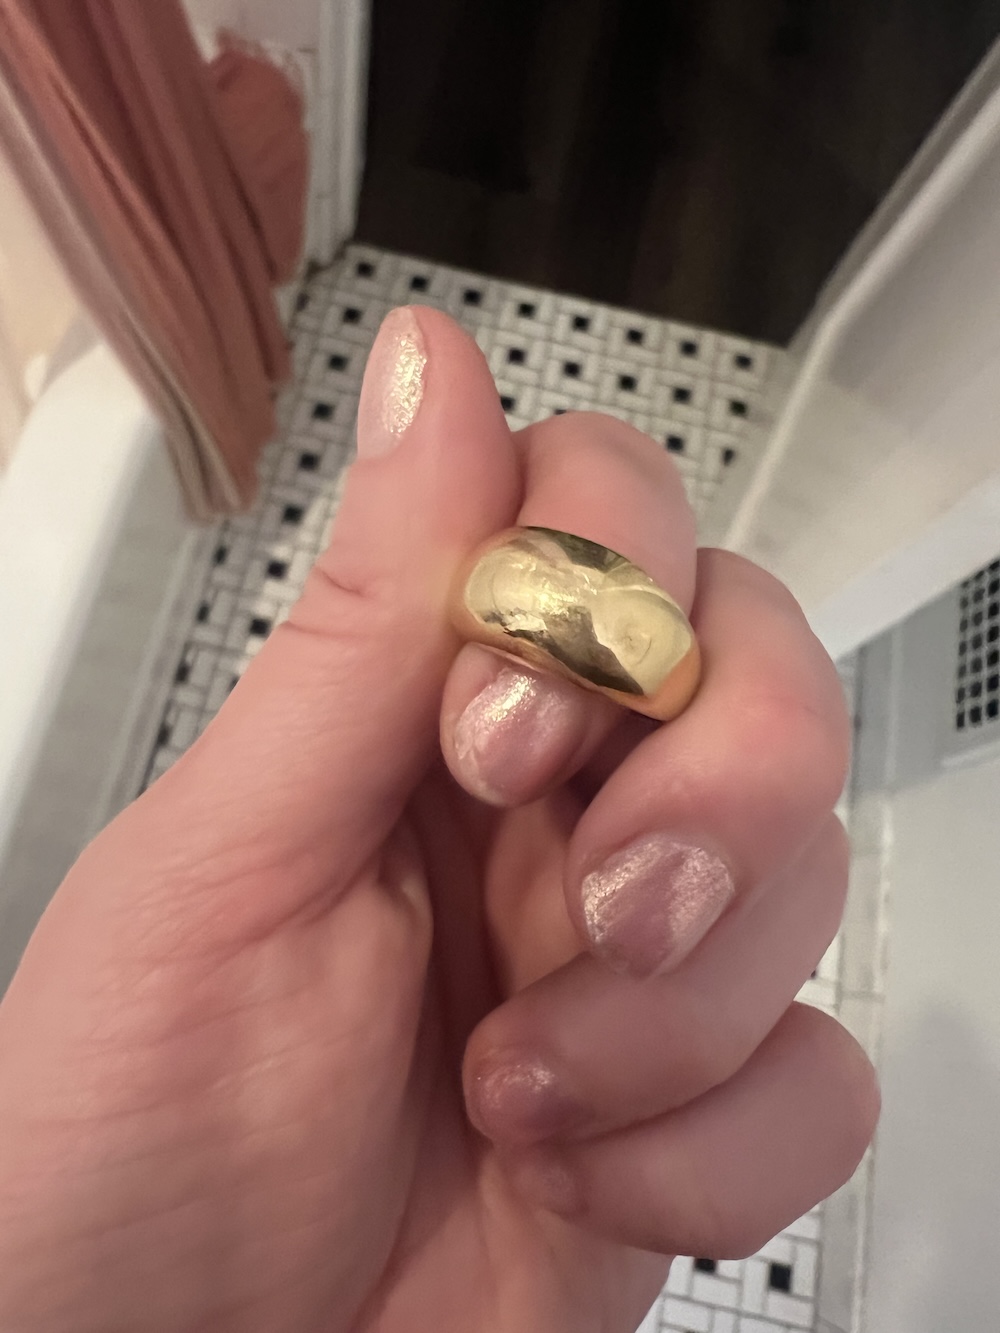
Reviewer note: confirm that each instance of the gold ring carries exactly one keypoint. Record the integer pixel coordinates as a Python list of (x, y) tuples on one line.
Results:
[(575, 607)]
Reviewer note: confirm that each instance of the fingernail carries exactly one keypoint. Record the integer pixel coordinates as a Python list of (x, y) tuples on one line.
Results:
[(542, 1177), (516, 733), (393, 385), (520, 1101), (648, 905)]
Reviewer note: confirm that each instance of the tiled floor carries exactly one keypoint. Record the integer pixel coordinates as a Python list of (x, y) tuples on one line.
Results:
[(692, 389)]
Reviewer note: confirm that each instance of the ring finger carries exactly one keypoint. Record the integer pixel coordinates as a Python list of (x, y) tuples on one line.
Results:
[(509, 733)]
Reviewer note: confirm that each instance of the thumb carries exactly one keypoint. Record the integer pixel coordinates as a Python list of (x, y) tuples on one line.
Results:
[(310, 761)]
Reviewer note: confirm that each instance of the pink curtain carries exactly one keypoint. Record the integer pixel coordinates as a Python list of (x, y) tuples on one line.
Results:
[(174, 194)]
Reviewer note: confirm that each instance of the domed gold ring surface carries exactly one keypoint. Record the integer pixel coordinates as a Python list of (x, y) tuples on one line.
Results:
[(574, 607)]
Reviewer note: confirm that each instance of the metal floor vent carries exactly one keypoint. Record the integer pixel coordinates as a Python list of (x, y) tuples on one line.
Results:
[(977, 671)]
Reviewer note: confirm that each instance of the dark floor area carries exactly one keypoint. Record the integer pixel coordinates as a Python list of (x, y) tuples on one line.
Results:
[(707, 160)]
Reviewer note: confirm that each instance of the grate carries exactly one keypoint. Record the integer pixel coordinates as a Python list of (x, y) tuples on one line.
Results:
[(977, 667)]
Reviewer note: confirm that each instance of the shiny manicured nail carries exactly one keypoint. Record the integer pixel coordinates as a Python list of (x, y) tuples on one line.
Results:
[(649, 904), (520, 1101), (516, 733), (393, 385)]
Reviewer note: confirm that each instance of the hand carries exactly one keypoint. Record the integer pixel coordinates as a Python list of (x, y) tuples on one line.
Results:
[(240, 1059)]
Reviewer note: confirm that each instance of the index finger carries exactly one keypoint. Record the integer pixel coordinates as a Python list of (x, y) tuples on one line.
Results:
[(510, 733)]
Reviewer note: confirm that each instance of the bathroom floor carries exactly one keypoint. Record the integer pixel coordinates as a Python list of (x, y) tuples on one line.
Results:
[(693, 389)]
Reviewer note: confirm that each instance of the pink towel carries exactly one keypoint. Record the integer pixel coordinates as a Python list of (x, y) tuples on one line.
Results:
[(261, 115)]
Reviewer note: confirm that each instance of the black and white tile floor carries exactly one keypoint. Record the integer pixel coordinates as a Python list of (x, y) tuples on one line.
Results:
[(692, 389)]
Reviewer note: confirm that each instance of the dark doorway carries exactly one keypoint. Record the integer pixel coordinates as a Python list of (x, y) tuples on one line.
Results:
[(708, 160)]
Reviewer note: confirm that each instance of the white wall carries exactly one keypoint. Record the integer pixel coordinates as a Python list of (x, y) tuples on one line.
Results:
[(881, 483), (293, 23), (95, 555), (936, 1201), (37, 305)]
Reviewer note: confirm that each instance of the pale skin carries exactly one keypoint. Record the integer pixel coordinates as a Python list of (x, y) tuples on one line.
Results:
[(313, 1037)]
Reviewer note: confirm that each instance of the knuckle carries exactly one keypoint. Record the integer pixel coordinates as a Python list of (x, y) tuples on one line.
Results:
[(848, 1080), (715, 1228), (852, 1080), (816, 741), (730, 567), (705, 1053), (604, 434)]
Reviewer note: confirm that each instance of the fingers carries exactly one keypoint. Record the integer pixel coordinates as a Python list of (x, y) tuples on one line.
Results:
[(311, 759), (584, 1051), (707, 809), (509, 733), (727, 1172)]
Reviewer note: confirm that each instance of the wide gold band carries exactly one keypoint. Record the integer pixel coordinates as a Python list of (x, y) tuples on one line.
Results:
[(571, 606)]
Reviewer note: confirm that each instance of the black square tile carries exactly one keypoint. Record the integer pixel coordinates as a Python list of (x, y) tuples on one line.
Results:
[(675, 443), (689, 347), (219, 558), (976, 716), (163, 735), (559, 411), (308, 462), (779, 1277), (581, 323), (260, 627), (322, 411), (705, 1265), (292, 514), (634, 336), (352, 315), (737, 407), (182, 673), (472, 296), (515, 355), (301, 301), (993, 709), (742, 361), (681, 394), (338, 361), (204, 611), (364, 269), (233, 682), (419, 283), (572, 369), (277, 569), (507, 403), (728, 456), (526, 310), (627, 383)]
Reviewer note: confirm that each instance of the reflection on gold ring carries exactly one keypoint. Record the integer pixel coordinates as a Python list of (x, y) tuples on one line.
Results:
[(570, 605)]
